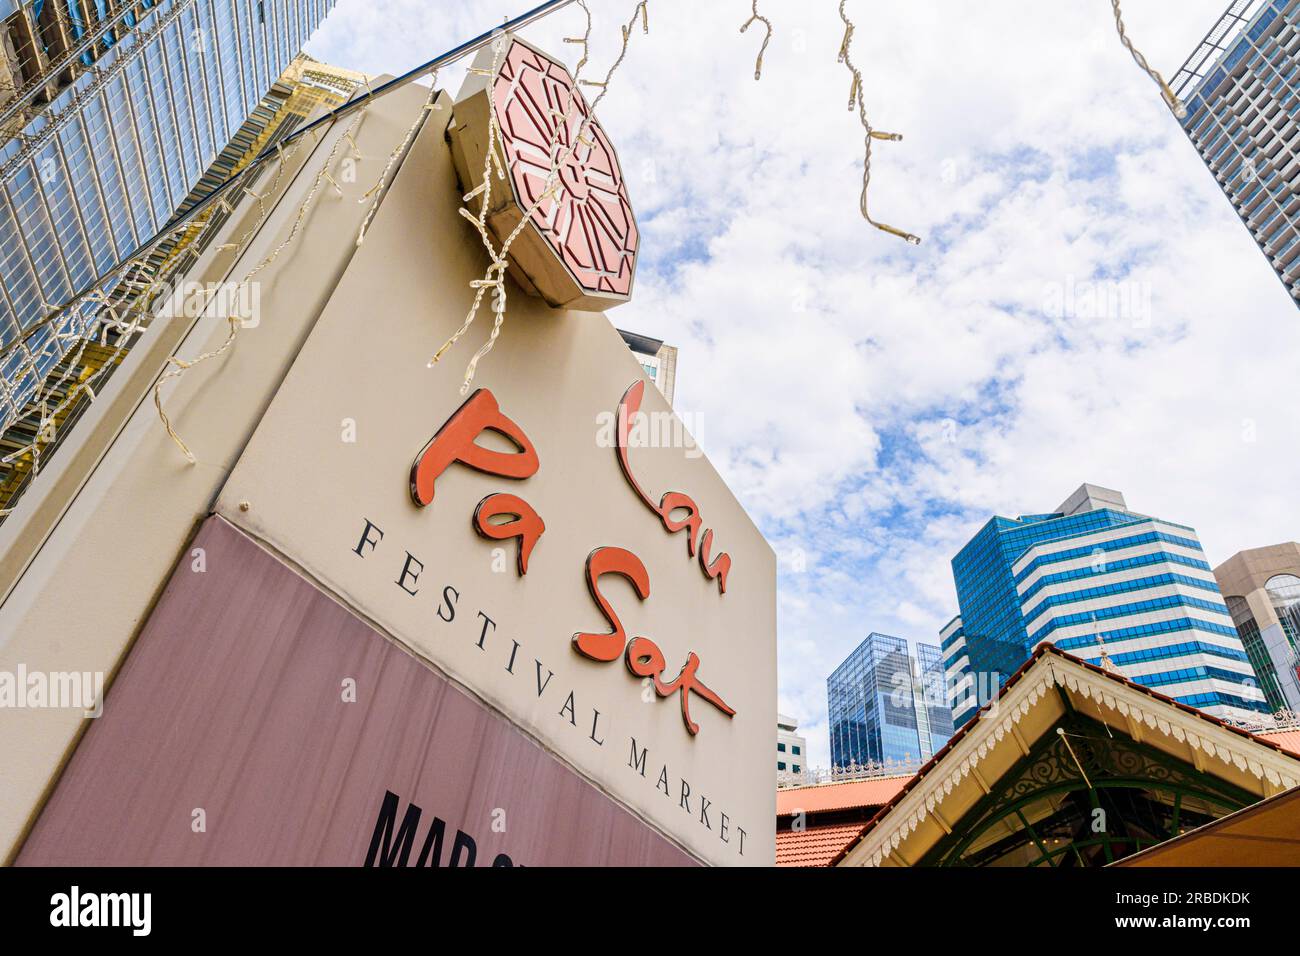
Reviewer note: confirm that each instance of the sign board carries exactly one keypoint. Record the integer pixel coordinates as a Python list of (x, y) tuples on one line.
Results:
[(346, 479), (545, 566), (578, 247), (668, 704)]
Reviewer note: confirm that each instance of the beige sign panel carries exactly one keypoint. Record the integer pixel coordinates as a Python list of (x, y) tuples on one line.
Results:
[(327, 482)]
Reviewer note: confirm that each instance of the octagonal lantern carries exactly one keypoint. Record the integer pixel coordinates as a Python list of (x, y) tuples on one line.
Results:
[(576, 251)]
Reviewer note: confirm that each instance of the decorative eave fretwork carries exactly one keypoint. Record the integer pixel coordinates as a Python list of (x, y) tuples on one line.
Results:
[(1051, 687)]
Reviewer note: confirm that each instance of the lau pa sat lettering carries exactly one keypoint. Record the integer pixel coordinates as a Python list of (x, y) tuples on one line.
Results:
[(457, 443)]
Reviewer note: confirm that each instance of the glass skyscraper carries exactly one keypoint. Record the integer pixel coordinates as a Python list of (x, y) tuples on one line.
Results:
[(886, 708), (1242, 91), (933, 715), (1089, 575), (109, 115), (1262, 589), (28, 443)]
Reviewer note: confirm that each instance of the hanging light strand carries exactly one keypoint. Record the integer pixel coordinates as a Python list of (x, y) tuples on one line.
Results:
[(494, 278), (759, 18), (121, 300), (377, 192), (856, 100), (143, 282), (179, 366), (1171, 99)]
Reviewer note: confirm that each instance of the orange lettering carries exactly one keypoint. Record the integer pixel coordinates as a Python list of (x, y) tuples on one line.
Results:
[(602, 561), (527, 525), (720, 568), (672, 501), (644, 659), (456, 442)]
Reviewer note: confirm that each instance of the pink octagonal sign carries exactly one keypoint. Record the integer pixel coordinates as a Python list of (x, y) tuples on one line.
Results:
[(590, 226)]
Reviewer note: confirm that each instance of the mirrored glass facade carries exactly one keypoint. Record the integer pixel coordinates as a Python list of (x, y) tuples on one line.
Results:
[(1284, 592), (1262, 590), (879, 708), (109, 116), (933, 716)]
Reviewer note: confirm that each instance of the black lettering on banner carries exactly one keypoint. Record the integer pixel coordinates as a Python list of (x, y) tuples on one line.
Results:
[(406, 574), (449, 598), (366, 540), (389, 848), (637, 762), (393, 855), (482, 638)]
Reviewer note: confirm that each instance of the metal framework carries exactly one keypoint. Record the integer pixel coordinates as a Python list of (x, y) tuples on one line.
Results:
[(1141, 796), (71, 58), (1215, 43)]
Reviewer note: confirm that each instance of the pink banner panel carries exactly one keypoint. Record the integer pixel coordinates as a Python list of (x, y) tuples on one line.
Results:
[(259, 722)]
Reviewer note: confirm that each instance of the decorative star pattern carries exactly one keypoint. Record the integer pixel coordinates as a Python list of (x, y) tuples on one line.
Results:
[(590, 225)]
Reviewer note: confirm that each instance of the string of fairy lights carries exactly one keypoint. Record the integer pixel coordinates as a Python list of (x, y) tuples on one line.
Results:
[(124, 310), (870, 133), (376, 192), (767, 37), (121, 301), (559, 154), (1171, 100), (178, 366)]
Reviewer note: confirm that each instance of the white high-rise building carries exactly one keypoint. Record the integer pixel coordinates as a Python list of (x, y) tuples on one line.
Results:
[(1243, 103), (791, 750), (658, 360)]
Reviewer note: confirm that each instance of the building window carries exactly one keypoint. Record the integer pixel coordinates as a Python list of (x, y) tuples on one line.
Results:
[(795, 749), (780, 765), (1284, 592), (781, 747), (796, 768)]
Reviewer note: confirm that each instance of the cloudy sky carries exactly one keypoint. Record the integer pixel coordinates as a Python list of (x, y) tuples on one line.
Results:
[(872, 403)]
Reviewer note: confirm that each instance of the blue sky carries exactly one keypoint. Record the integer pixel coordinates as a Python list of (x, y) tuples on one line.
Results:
[(871, 403)]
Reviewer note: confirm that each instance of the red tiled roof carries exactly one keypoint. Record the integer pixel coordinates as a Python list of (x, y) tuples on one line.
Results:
[(874, 792), (1286, 739), (816, 846)]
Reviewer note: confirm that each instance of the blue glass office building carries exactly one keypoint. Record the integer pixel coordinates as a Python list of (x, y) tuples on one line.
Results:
[(933, 715), (1242, 91), (1093, 575), (109, 115), (885, 708)]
